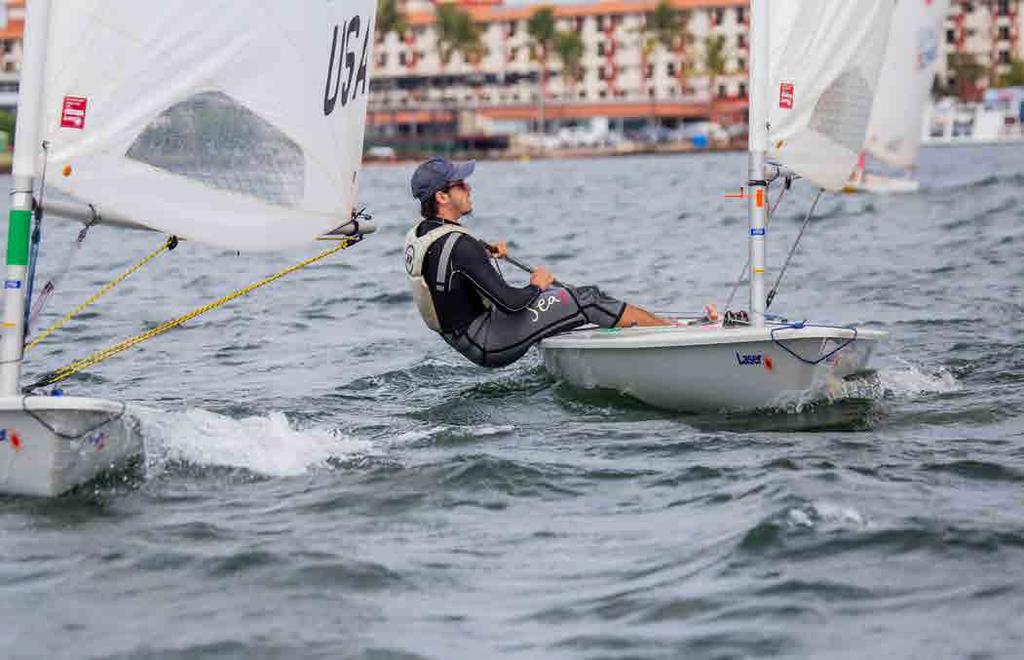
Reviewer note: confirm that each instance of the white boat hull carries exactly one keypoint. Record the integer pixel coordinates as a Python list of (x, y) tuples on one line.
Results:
[(708, 367), (882, 185), (50, 444)]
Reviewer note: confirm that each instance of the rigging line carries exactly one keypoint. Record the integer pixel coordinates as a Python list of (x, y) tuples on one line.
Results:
[(792, 250), (168, 245), (51, 285), (73, 368), (746, 265), (37, 238)]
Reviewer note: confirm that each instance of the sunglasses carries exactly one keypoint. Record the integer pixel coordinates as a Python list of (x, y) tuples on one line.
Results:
[(457, 184)]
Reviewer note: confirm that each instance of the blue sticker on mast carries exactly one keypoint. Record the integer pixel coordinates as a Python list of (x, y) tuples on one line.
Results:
[(757, 232), (12, 284)]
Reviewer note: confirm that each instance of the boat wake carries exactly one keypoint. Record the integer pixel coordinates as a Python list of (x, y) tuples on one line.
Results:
[(270, 445), (900, 381)]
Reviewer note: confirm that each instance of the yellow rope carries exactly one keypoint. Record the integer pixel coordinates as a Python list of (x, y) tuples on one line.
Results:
[(169, 244), (95, 358)]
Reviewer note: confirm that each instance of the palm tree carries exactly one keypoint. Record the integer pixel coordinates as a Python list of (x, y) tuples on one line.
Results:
[(1015, 76), (569, 46), (667, 28), (714, 66), (457, 32), (542, 30), (390, 18), (966, 70)]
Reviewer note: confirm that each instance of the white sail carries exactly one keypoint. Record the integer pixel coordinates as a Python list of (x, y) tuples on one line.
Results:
[(825, 61), (904, 86), (233, 122)]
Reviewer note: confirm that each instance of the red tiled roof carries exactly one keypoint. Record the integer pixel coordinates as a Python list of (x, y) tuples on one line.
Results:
[(13, 30), (489, 14)]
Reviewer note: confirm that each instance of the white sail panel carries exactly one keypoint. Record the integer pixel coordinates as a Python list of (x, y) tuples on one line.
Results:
[(904, 86), (826, 57), (234, 122)]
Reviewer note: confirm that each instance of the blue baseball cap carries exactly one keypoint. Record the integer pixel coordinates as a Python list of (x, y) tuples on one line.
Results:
[(436, 174)]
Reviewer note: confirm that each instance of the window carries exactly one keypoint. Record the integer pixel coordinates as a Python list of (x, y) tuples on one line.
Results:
[(741, 40), (649, 72), (950, 36), (403, 59), (600, 49), (718, 16), (671, 69), (601, 73), (743, 90), (382, 60), (1004, 8), (512, 25), (600, 23), (721, 91), (650, 92), (741, 14), (1004, 33), (1004, 57), (603, 94), (741, 64)]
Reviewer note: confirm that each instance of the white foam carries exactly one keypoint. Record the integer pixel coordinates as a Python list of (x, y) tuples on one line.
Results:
[(910, 380), (268, 445), (418, 435), (903, 380), (826, 515)]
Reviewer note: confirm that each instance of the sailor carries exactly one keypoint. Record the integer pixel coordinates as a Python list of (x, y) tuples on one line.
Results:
[(462, 295)]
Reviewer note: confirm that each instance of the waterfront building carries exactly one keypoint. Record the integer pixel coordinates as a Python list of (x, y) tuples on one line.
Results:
[(416, 95)]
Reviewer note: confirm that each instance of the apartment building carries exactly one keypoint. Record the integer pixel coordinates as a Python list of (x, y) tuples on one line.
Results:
[(12, 28), (414, 92), (990, 31), (620, 77)]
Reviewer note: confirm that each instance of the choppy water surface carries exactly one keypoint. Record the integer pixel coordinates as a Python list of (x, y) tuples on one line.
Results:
[(324, 478)]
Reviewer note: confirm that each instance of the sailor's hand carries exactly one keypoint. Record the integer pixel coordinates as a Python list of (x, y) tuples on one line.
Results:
[(498, 250), (711, 312), (542, 278)]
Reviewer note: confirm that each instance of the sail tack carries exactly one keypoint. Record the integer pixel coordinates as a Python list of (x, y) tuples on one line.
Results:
[(825, 62), (235, 123), (904, 87)]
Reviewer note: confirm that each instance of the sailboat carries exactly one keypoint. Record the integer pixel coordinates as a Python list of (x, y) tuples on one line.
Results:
[(814, 72), (233, 123), (904, 91)]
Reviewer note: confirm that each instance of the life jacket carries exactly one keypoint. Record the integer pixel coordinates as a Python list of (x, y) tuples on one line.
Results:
[(415, 252)]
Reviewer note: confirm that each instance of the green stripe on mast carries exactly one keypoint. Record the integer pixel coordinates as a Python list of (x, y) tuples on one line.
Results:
[(18, 227)]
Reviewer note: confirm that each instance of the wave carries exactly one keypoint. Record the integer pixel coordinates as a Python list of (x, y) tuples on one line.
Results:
[(269, 445)]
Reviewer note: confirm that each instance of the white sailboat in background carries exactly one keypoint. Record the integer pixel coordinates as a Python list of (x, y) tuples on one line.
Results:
[(904, 93), (814, 73), (232, 123)]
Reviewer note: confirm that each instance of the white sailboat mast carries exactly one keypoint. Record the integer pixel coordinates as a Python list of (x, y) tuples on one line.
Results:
[(26, 151), (760, 88)]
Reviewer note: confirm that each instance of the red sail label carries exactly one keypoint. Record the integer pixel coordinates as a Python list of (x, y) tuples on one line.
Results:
[(72, 114), (786, 95)]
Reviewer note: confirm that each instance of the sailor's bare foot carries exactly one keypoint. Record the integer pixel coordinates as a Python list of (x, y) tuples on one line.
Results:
[(636, 316)]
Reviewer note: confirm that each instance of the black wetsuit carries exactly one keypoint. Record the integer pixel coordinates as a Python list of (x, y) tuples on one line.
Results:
[(493, 323)]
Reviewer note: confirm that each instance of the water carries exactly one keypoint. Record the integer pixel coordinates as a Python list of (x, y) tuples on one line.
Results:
[(324, 478)]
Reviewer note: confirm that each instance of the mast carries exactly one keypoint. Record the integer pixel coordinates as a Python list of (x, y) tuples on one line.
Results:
[(758, 145), (26, 150)]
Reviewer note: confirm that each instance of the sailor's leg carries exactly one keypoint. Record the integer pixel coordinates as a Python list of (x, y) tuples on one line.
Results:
[(637, 316), (607, 312), (496, 339)]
